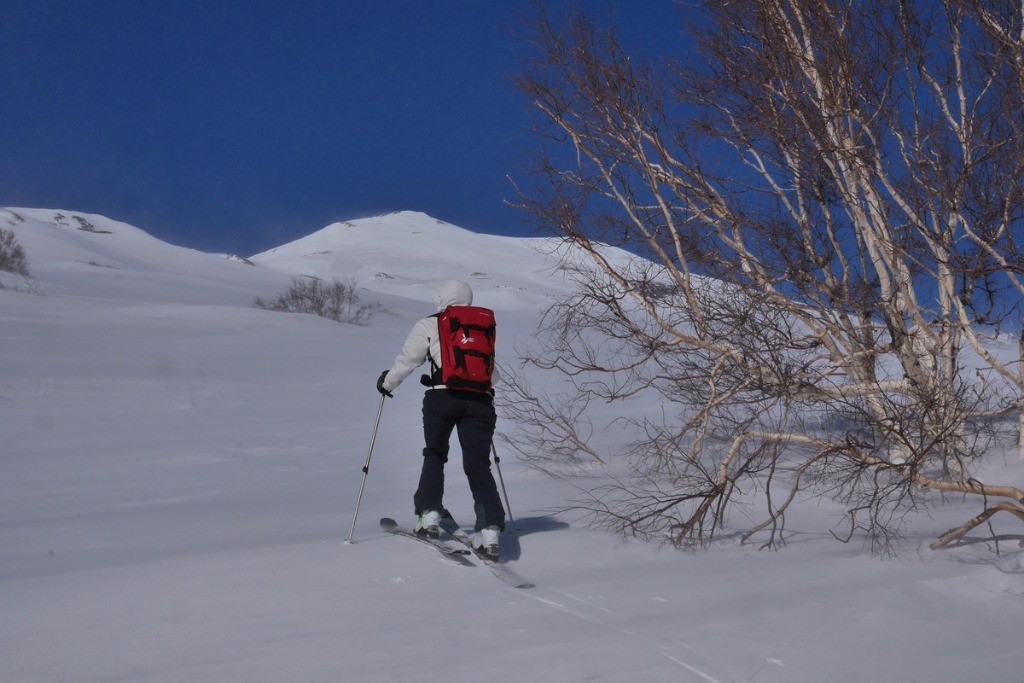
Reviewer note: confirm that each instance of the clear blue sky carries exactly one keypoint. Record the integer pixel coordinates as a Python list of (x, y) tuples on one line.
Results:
[(240, 125)]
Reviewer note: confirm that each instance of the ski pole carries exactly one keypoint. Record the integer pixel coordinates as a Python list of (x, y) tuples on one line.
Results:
[(366, 470), (497, 464)]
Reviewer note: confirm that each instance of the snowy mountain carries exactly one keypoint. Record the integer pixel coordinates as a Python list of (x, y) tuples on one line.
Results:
[(79, 255), (179, 471), (408, 253), (404, 254)]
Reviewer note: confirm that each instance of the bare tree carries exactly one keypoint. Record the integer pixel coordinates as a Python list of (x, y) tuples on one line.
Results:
[(827, 213)]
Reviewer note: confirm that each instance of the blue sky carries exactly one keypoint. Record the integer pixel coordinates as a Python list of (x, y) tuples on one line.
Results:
[(238, 126)]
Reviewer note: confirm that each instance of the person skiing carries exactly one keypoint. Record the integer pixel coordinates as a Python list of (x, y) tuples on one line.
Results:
[(469, 411)]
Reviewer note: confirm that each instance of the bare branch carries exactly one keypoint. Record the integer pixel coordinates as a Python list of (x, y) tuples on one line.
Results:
[(822, 225)]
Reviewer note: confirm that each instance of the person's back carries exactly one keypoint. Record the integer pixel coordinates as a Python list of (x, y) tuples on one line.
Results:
[(469, 410)]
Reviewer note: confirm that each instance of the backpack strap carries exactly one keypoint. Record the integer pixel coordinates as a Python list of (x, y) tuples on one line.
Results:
[(434, 378)]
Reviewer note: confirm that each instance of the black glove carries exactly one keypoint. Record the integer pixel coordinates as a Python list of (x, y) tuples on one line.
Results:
[(380, 385)]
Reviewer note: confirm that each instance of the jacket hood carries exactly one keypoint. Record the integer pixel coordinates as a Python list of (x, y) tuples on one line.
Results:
[(453, 293)]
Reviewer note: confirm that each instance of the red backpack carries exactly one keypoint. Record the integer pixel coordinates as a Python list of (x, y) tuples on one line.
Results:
[(466, 334)]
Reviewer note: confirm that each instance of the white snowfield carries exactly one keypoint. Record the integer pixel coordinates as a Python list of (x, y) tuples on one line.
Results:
[(179, 470)]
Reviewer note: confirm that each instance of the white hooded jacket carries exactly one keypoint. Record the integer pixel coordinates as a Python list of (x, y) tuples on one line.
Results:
[(423, 339)]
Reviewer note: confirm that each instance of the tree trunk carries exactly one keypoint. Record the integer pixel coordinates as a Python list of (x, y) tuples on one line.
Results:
[(1020, 417)]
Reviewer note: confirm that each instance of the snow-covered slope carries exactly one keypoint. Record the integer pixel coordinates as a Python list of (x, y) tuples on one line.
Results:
[(407, 253), (404, 255), (178, 471), (80, 255)]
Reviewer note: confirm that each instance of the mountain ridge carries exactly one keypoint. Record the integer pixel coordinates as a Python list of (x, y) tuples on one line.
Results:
[(405, 254)]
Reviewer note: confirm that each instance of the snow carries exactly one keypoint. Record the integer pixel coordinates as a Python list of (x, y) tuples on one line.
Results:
[(179, 473)]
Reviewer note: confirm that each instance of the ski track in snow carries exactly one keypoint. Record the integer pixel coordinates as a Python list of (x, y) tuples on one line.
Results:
[(591, 614), (587, 611)]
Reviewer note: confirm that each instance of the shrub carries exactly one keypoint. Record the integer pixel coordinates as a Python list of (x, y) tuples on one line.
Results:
[(336, 300), (12, 256)]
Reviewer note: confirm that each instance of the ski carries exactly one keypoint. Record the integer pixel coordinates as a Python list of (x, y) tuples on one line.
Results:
[(456, 554), (501, 571)]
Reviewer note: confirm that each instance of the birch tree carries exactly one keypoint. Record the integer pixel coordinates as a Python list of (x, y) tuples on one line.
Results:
[(826, 205)]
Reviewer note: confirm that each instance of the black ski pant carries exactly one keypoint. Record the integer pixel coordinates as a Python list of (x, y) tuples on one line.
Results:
[(472, 414)]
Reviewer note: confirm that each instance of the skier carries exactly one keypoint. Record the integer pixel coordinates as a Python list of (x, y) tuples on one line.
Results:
[(445, 409)]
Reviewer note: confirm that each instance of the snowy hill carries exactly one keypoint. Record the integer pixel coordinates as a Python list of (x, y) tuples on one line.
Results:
[(78, 255), (405, 254), (179, 471), (408, 253)]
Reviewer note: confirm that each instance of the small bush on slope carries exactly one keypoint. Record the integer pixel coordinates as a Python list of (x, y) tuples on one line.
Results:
[(12, 256), (335, 300)]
